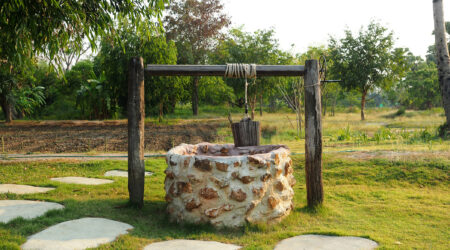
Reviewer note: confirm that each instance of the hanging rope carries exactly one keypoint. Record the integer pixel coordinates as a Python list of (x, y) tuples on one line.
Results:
[(240, 70)]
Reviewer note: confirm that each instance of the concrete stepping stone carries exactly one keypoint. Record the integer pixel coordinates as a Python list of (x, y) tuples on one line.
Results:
[(11, 209), (22, 189), (325, 242), (190, 245), (82, 180), (77, 234), (122, 173)]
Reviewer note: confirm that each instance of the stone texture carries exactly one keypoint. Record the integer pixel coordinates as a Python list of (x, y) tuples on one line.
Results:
[(11, 209), (208, 193), (77, 234), (82, 180), (122, 173), (227, 186), (238, 195), (324, 242), (22, 189), (190, 245)]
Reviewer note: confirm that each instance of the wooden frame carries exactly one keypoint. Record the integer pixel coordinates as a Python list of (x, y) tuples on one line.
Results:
[(136, 115)]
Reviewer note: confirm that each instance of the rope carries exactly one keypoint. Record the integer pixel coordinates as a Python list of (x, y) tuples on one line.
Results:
[(240, 70)]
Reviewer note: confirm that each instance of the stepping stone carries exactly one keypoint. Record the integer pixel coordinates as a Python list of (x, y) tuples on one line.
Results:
[(11, 209), (190, 245), (22, 189), (77, 234), (82, 180), (324, 242), (121, 173)]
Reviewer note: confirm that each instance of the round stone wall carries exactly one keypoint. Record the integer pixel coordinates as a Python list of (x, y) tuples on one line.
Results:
[(226, 186)]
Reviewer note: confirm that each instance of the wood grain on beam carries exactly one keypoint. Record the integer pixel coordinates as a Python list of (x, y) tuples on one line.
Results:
[(219, 70)]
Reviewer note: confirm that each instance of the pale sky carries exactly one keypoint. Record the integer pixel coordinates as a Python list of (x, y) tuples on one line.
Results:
[(310, 22)]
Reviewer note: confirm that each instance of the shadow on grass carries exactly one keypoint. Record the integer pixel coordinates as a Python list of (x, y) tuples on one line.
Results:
[(150, 222)]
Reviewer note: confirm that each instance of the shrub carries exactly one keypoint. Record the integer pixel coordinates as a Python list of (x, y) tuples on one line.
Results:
[(400, 111), (268, 131)]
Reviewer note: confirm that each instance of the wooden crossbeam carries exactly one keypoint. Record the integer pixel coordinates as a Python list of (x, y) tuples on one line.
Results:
[(219, 70)]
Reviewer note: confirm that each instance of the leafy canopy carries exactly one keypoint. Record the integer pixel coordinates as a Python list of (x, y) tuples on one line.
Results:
[(367, 60), (195, 26), (45, 26)]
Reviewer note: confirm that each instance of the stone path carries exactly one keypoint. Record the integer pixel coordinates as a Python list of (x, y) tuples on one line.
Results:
[(190, 245), (11, 209), (122, 173), (22, 189), (77, 234), (82, 180), (324, 242)]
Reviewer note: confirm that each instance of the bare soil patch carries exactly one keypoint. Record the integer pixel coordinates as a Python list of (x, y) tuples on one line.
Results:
[(100, 136)]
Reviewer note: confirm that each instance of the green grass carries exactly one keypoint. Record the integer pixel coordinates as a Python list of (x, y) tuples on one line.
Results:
[(399, 204)]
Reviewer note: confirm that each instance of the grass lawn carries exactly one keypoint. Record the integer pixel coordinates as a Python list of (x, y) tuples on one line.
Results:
[(398, 203)]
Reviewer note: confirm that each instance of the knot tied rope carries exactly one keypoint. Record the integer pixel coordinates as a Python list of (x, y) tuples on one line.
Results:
[(241, 70)]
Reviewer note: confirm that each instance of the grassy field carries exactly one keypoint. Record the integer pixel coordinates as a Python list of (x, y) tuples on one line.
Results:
[(399, 204), (394, 188)]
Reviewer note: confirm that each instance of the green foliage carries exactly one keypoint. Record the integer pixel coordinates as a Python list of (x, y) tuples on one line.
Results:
[(20, 90), (420, 88), (400, 111), (28, 28), (161, 93), (268, 131), (368, 60), (29, 98), (45, 26), (213, 90), (94, 100), (260, 47)]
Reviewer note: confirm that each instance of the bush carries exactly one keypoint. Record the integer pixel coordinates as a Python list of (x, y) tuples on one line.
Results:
[(268, 131), (400, 111), (344, 134)]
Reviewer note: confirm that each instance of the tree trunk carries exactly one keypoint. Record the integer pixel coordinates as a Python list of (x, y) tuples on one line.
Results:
[(442, 56), (363, 104), (260, 104), (333, 107), (7, 110), (272, 104), (195, 95)]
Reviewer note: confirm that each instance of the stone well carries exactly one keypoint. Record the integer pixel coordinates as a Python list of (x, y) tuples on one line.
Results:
[(226, 186)]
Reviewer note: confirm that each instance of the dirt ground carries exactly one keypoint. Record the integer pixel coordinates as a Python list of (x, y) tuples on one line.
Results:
[(98, 136)]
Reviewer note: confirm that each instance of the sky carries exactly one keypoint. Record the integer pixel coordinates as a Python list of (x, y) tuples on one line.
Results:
[(307, 23)]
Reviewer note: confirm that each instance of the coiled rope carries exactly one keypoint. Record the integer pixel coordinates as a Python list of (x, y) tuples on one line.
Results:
[(240, 70)]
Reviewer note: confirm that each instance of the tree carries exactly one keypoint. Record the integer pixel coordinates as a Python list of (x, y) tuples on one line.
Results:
[(161, 93), (431, 52), (259, 47), (367, 61), (420, 87), (443, 60), (195, 26), (30, 27)]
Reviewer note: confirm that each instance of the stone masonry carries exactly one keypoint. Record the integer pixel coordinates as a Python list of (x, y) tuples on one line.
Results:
[(227, 186)]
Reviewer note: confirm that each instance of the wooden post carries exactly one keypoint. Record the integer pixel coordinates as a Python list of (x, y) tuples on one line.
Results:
[(136, 116), (313, 134)]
